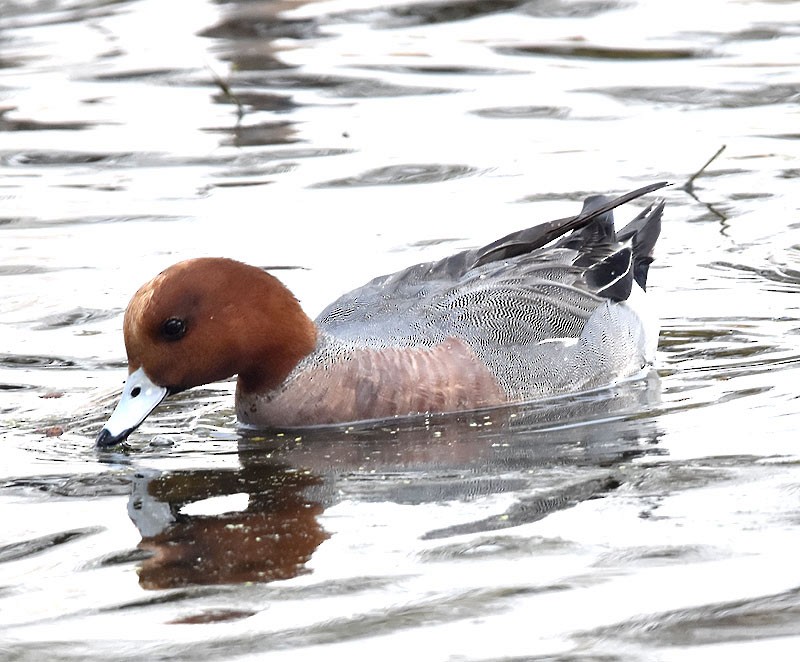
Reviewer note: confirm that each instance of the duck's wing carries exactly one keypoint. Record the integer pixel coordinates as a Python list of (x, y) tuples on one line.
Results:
[(519, 272)]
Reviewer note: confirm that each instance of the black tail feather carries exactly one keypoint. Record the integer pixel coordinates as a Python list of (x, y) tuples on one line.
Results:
[(643, 231), (529, 240)]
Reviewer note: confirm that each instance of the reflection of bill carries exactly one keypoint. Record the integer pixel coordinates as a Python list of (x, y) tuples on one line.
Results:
[(549, 455), (272, 538)]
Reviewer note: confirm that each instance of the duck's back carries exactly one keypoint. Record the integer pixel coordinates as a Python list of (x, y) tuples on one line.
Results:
[(542, 319)]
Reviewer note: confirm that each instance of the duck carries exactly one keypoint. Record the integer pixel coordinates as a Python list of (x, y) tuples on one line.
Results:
[(557, 308)]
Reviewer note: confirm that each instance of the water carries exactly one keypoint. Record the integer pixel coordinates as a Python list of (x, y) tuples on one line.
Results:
[(337, 141)]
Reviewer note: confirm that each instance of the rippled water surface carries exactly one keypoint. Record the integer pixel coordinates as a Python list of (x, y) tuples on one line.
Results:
[(335, 141)]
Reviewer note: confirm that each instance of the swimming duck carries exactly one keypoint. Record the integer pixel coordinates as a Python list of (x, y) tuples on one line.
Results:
[(549, 310)]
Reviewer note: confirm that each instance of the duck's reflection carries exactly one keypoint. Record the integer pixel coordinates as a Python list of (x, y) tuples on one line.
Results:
[(549, 456), (271, 538)]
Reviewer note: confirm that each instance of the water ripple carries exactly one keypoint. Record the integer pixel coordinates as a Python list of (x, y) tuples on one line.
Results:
[(407, 173), (597, 52)]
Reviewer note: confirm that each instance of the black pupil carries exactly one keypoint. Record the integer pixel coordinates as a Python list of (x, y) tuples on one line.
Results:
[(174, 328)]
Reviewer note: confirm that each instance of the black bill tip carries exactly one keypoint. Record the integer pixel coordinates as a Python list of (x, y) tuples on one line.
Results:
[(106, 439)]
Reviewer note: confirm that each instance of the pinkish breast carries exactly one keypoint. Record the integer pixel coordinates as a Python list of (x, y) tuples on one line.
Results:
[(376, 383)]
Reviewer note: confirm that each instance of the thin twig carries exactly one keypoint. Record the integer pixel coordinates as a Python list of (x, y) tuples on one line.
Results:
[(689, 185), (226, 90)]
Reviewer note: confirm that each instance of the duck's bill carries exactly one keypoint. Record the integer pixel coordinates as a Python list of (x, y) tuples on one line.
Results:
[(139, 397)]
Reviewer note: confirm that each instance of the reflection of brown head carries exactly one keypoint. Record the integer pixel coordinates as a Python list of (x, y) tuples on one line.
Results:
[(272, 539)]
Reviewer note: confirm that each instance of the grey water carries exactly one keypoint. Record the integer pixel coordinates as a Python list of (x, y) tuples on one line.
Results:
[(334, 141)]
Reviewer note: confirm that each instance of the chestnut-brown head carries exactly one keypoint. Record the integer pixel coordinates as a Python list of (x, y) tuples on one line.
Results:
[(204, 320)]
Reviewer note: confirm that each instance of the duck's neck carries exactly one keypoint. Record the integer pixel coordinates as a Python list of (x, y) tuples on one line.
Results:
[(285, 336)]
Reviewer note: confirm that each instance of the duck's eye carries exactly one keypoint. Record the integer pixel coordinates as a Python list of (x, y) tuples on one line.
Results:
[(174, 328)]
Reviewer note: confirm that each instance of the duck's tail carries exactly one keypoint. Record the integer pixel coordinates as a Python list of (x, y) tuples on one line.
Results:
[(643, 232), (538, 236), (614, 256)]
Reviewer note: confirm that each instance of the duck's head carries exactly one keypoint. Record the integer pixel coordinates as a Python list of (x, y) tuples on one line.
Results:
[(201, 321)]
